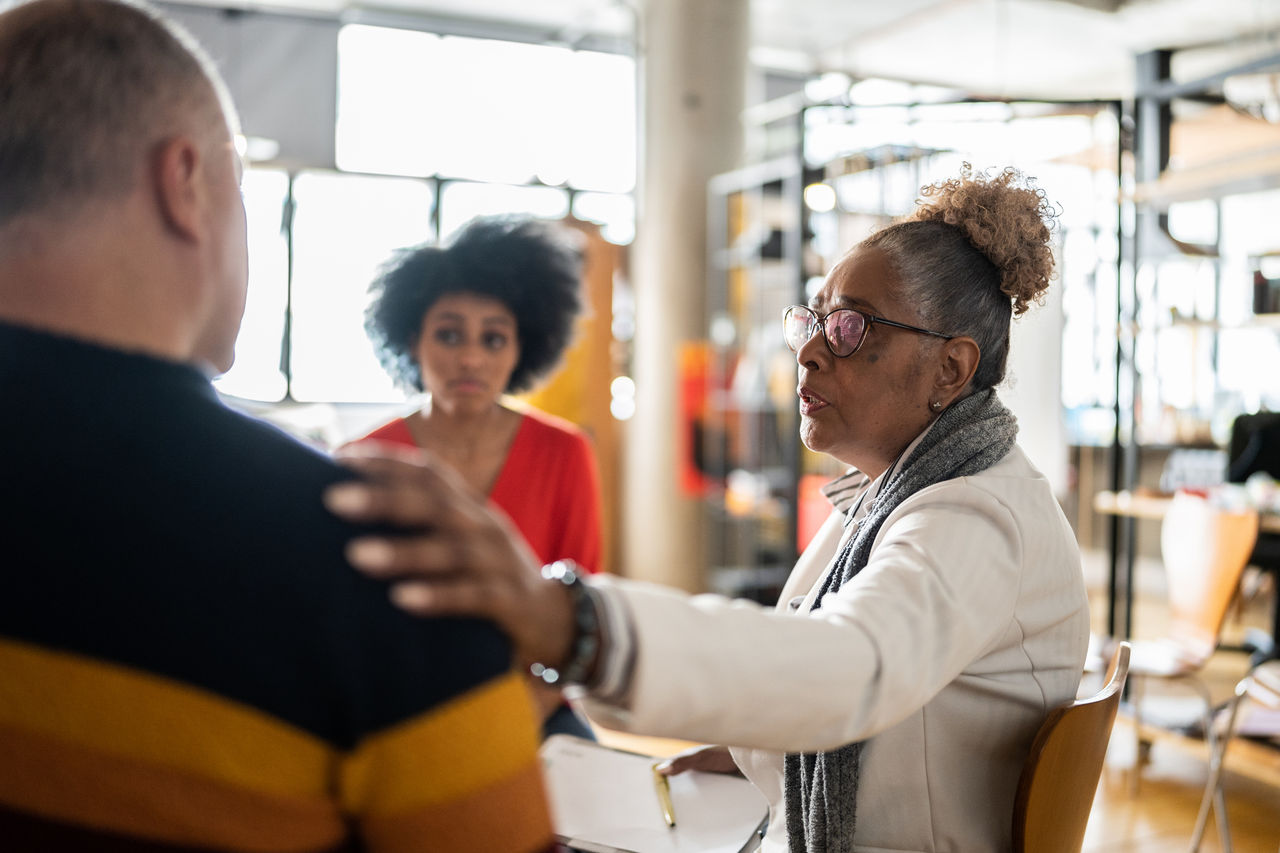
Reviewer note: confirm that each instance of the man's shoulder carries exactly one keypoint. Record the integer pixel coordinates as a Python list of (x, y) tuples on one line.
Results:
[(266, 446), (273, 496), (169, 515)]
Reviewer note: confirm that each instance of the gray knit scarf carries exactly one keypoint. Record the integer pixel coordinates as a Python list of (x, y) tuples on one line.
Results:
[(821, 789)]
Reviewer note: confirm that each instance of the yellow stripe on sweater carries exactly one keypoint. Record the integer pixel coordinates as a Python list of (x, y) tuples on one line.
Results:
[(469, 743)]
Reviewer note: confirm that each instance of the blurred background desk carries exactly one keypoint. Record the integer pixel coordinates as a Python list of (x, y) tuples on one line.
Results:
[(1153, 506)]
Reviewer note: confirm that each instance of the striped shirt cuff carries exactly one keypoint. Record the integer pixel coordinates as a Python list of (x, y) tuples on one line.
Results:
[(612, 682)]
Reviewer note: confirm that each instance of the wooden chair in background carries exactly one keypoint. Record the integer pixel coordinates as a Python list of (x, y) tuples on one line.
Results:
[(1204, 549), (1061, 773)]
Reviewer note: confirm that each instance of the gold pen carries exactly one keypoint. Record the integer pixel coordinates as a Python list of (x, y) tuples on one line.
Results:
[(663, 787)]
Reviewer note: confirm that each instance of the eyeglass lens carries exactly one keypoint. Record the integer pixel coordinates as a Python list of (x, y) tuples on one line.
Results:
[(842, 328)]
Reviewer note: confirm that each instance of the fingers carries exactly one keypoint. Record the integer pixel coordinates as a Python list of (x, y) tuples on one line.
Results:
[(393, 463), (538, 632), (395, 492), (453, 554), (487, 553), (430, 599), (416, 597), (708, 759), (674, 766), (425, 553), (352, 453)]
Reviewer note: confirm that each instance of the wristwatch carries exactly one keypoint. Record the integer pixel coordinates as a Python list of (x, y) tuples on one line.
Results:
[(586, 626)]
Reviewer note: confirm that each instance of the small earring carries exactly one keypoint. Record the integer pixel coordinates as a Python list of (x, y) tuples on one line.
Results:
[(936, 405)]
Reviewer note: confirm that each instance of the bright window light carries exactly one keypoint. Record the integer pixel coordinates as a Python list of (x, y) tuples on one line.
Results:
[(413, 103), (256, 374), (876, 90), (345, 228), (615, 214), (461, 201)]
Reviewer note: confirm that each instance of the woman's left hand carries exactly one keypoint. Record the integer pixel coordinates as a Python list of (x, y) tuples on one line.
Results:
[(457, 557), (708, 759)]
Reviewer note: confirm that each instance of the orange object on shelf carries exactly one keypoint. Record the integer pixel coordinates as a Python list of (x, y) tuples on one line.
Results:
[(812, 508)]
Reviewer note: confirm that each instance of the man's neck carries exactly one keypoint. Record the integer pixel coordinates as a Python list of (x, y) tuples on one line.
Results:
[(84, 284)]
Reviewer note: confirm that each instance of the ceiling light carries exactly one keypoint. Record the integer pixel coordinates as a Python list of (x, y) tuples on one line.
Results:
[(820, 198)]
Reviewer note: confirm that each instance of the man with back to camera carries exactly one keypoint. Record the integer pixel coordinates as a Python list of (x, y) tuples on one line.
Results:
[(186, 661)]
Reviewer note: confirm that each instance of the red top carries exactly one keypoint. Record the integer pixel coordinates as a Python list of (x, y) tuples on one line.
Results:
[(548, 486)]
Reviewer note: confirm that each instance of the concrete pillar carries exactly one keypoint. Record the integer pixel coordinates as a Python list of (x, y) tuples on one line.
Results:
[(693, 67)]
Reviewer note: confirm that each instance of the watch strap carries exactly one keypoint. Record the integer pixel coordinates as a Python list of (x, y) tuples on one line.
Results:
[(585, 644)]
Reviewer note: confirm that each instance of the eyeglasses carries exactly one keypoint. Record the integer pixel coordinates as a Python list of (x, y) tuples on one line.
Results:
[(844, 329)]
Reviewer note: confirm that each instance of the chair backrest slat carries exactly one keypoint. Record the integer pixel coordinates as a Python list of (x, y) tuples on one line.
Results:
[(1061, 773), (1204, 550)]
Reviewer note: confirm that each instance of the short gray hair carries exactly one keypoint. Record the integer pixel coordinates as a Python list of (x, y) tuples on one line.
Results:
[(86, 87)]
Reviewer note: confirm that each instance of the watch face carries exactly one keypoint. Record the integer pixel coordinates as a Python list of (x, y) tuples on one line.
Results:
[(548, 674), (565, 571)]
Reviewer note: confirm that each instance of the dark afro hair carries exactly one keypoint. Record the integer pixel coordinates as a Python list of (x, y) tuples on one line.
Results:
[(529, 265)]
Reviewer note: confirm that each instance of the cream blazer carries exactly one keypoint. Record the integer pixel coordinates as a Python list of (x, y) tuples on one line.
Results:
[(969, 622)]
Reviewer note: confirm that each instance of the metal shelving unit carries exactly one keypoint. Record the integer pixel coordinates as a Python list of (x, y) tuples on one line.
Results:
[(750, 440)]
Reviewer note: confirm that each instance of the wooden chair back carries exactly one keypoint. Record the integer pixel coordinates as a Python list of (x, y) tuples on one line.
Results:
[(1205, 550), (1061, 773)]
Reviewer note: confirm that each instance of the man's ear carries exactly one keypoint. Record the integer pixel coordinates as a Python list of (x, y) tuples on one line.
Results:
[(176, 175), (960, 356)]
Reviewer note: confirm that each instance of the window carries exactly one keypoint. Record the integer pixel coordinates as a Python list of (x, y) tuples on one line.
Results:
[(256, 374), (431, 132), (420, 104), (345, 227), (461, 201), (615, 214)]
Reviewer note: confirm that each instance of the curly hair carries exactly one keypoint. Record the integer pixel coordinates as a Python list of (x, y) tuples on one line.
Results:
[(528, 265), (974, 253)]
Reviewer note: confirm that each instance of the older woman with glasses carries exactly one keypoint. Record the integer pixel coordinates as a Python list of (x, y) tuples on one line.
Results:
[(889, 700)]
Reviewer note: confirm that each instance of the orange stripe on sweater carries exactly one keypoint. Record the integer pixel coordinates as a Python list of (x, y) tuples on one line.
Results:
[(509, 816), (70, 783)]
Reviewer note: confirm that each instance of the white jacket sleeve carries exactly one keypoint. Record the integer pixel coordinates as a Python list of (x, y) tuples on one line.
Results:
[(939, 588)]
